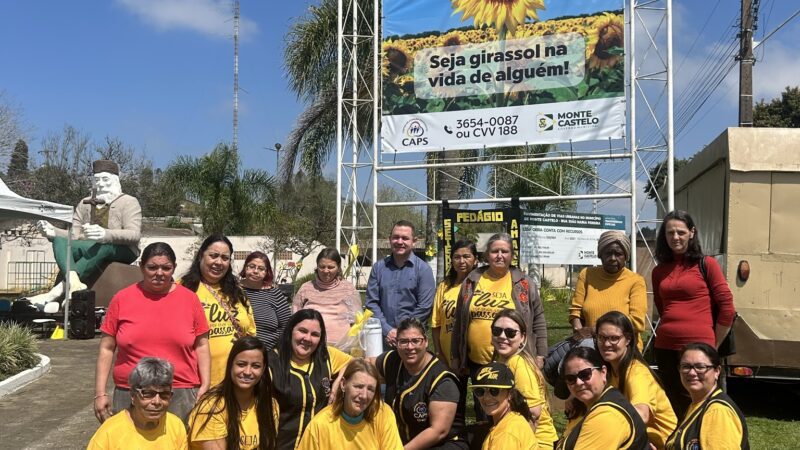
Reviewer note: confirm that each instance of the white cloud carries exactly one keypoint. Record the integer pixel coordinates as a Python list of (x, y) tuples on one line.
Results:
[(213, 18)]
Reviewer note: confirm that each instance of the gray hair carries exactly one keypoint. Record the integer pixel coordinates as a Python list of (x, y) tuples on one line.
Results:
[(151, 371), (505, 237)]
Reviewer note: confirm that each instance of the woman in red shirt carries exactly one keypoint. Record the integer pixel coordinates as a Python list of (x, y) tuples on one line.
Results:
[(685, 299)]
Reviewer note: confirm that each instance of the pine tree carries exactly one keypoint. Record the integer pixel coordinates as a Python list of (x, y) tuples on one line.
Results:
[(18, 166)]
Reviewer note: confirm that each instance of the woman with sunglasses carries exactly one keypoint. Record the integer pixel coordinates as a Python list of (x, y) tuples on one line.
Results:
[(485, 292), (508, 338), (237, 413), (270, 307), (145, 424), (494, 386), (227, 309), (357, 419), (713, 420), (423, 393), (608, 420), (616, 340)]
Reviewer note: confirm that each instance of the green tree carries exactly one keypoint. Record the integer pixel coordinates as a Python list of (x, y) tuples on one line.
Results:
[(18, 166), (231, 201), (658, 176), (305, 216), (783, 112)]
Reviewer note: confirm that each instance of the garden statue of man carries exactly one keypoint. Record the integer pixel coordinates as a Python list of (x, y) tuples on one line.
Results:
[(106, 227)]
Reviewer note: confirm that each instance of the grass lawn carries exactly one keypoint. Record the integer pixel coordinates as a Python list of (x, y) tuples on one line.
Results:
[(773, 418)]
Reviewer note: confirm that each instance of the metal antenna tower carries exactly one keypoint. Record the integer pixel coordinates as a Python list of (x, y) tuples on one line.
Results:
[(651, 82), (357, 100), (235, 142)]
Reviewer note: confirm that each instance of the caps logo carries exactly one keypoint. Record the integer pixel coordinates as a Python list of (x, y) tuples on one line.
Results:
[(544, 122), (487, 373), (415, 130)]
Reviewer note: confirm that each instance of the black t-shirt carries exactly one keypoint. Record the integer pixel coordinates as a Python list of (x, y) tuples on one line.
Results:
[(410, 395)]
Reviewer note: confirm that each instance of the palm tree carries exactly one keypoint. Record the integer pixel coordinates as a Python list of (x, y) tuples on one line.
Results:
[(231, 201), (538, 179), (310, 59)]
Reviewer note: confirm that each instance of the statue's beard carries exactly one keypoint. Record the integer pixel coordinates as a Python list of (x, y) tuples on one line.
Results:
[(110, 194)]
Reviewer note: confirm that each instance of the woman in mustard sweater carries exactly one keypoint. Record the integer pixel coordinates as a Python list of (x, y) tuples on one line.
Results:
[(609, 287)]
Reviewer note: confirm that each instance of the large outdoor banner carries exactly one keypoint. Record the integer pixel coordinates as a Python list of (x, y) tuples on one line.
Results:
[(452, 217), (464, 74), (564, 237)]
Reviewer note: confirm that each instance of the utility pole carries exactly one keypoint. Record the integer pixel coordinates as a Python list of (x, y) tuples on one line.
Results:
[(746, 61), (235, 143)]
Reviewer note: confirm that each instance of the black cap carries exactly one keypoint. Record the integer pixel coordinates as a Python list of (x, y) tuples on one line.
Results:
[(493, 375), (105, 165)]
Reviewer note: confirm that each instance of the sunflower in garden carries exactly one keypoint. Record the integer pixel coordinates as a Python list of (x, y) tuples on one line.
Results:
[(501, 14), (608, 32), (397, 58), (452, 38)]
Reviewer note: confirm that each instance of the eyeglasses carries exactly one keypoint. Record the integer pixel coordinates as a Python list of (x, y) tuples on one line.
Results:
[(221, 256), (613, 340), (155, 267), (699, 368), (256, 268), (509, 332), (148, 394), (413, 341), (585, 375), (480, 392)]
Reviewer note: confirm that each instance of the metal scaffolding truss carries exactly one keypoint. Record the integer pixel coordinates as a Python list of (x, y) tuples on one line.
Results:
[(362, 168)]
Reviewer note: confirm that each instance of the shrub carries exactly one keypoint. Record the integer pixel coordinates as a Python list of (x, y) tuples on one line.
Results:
[(17, 349)]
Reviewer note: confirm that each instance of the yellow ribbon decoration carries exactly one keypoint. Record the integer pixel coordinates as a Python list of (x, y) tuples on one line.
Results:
[(361, 320)]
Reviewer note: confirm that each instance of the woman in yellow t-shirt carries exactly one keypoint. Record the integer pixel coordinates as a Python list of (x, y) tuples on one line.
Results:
[(237, 413), (145, 424), (485, 292), (616, 342), (495, 388), (713, 420), (463, 258), (608, 420), (357, 418), (508, 338), (227, 310), (609, 287)]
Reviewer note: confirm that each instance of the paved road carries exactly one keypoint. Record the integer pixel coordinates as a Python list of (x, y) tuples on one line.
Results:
[(54, 412)]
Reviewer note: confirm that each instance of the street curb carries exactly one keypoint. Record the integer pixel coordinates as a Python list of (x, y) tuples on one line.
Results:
[(23, 378)]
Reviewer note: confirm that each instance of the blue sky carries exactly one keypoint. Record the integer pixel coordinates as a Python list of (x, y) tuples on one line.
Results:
[(158, 73)]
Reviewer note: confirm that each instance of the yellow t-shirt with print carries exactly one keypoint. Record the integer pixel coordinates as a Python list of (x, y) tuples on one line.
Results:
[(119, 433), (327, 431), (512, 433), (642, 389), (444, 316), (217, 428), (491, 296), (531, 385), (221, 330)]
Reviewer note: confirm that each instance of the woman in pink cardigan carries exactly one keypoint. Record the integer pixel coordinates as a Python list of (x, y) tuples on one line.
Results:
[(335, 298)]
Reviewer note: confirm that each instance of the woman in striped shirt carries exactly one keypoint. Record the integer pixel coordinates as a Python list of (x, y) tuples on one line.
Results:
[(271, 308)]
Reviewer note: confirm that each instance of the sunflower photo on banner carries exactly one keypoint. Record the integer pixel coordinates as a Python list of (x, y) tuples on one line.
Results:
[(464, 74)]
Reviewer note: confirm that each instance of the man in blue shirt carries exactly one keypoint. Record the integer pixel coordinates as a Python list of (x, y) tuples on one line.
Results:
[(400, 285)]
